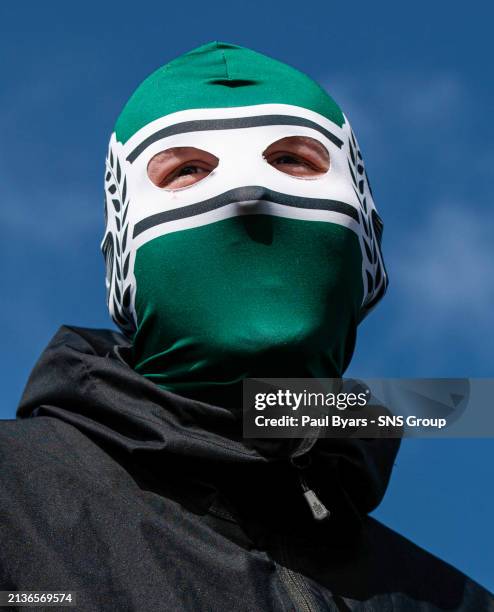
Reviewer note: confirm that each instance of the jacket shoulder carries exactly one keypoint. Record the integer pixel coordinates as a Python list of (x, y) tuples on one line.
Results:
[(51, 449), (24, 438)]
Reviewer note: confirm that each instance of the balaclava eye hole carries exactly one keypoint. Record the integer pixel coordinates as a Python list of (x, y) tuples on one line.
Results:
[(180, 167), (298, 156)]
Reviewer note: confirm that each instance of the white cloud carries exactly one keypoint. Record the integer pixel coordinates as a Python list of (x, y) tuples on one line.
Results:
[(377, 97), (438, 243), (53, 219), (443, 266), (430, 99), (401, 110), (437, 317)]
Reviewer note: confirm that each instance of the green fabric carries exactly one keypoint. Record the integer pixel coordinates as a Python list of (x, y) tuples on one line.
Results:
[(253, 295), (219, 75)]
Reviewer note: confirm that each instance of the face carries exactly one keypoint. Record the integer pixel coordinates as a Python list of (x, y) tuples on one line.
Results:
[(241, 236), (179, 167), (243, 245)]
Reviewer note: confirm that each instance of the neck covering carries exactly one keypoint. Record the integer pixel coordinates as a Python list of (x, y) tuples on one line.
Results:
[(249, 272)]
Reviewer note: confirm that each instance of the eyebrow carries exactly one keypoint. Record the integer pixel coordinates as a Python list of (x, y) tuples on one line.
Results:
[(202, 125)]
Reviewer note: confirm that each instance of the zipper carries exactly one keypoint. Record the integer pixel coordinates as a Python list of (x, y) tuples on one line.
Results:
[(318, 509), (301, 462)]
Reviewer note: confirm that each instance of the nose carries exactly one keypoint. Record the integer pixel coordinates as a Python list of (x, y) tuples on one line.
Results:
[(248, 198)]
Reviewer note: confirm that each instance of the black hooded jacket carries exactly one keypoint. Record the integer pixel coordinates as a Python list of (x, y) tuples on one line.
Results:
[(139, 499)]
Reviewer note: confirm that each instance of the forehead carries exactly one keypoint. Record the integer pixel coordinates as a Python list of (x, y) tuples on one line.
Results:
[(217, 130)]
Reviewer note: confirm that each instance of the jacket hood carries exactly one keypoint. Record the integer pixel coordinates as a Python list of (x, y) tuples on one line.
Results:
[(84, 378)]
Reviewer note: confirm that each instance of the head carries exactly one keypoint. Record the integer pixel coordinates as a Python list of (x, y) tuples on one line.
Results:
[(241, 235)]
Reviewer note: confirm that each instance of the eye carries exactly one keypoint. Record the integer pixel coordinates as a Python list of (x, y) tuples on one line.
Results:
[(180, 167), (299, 156), (188, 170), (286, 159)]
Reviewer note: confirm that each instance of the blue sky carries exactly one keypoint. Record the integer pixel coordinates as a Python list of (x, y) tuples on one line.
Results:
[(416, 82)]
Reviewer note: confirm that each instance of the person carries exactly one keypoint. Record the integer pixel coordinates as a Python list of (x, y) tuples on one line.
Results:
[(241, 240)]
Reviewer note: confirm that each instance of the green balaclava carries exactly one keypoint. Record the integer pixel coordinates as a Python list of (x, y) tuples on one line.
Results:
[(249, 272)]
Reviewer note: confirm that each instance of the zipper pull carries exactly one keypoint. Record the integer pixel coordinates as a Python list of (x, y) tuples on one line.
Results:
[(318, 509)]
